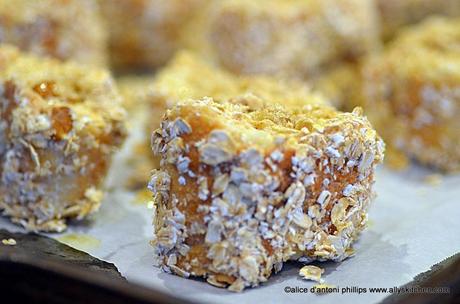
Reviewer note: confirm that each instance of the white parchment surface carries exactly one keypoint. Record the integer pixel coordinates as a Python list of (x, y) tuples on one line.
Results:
[(413, 225)]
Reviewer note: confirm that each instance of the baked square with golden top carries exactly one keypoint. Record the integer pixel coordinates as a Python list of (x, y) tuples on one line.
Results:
[(60, 124), (289, 37), (64, 29), (412, 93), (242, 189), (146, 33)]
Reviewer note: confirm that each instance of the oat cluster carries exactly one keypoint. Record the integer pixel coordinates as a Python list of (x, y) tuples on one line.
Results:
[(412, 93), (59, 126), (243, 189)]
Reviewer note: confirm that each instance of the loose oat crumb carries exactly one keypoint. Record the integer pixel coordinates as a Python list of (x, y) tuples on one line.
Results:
[(9, 242), (311, 272)]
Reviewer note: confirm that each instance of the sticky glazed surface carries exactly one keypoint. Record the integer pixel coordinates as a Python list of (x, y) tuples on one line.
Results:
[(64, 29), (267, 37), (241, 190), (413, 93), (395, 14), (146, 33), (60, 124)]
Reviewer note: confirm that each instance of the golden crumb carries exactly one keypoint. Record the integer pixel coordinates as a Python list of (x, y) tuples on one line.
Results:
[(311, 272), (9, 242)]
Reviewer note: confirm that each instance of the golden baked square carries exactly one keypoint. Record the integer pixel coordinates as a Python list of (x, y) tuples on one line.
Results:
[(412, 93), (288, 37), (146, 33), (60, 124), (243, 188)]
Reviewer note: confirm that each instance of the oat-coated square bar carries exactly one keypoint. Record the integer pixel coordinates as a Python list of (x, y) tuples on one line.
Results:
[(412, 93), (242, 189), (289, 37), (60, 124)]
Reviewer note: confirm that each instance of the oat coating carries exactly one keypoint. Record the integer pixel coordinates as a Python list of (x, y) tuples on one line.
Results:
[(412, 93), (241, 190), (64, 29), (145, 33), (395, 14), (294, 37), (60, 124)]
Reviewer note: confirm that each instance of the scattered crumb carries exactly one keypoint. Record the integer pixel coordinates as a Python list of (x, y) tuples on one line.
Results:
[(94, 195), (311, 272), (350, 251), (433, 179), (9, 242)]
